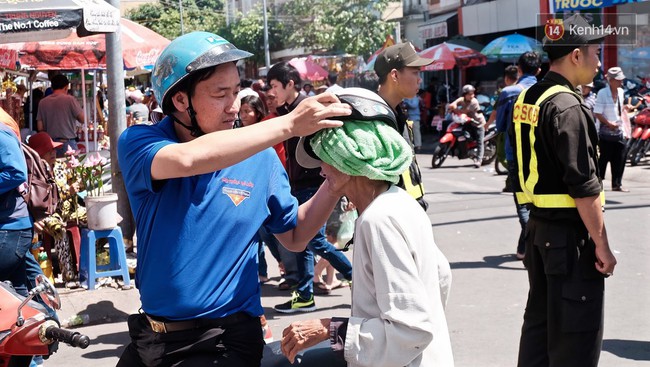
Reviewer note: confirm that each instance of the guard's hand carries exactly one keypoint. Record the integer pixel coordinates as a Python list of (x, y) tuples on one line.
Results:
[(605, 260), (302, 335), (312, 113)]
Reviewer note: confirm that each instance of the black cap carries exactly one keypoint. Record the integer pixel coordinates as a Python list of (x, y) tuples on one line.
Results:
[(577, 32), (397, 57)]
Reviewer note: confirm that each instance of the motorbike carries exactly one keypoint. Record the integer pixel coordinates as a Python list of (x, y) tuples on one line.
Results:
[(639, 143), (458, 141), (26, 329)]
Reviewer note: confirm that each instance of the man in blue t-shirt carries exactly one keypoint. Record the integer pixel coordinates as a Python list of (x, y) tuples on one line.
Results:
[(199, 191), (529, 66)]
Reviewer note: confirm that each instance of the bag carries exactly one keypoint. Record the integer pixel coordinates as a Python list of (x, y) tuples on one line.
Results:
[(346, 231), (612, 138), (40, 191)]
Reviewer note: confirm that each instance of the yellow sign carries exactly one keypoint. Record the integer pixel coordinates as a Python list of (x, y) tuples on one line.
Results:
[(525, 114)]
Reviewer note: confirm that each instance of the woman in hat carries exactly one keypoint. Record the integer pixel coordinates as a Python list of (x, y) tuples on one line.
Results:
[(394, 322)]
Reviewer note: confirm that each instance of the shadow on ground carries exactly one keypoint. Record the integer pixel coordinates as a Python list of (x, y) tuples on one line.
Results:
[(636, 350)]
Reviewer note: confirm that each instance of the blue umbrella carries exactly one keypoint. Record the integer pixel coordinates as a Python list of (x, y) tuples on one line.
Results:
[(642, 53), (509, 48)]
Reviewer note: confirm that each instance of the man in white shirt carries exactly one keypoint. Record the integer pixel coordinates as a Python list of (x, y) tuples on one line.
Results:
[(610, 112)]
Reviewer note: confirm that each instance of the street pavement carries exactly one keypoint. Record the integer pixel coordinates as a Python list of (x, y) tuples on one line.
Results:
[(476, 226)]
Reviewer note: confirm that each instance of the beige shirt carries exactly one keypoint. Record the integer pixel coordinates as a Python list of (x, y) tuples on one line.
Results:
[(401, 283)]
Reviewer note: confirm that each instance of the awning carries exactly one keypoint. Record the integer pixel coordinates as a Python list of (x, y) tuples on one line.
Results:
[(436, 27)]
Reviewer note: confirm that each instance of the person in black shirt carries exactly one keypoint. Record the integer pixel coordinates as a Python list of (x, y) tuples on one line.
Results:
[(567, 249)]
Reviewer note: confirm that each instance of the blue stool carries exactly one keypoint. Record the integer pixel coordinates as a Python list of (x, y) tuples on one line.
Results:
[(88, 268)]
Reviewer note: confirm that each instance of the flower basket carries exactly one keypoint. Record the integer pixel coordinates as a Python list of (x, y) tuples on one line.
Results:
[(101, 211)]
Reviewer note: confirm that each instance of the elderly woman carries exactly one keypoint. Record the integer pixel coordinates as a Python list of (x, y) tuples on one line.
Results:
[(400, 278)]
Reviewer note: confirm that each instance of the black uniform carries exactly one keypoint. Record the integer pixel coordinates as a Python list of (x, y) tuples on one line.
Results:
[(564, 313)]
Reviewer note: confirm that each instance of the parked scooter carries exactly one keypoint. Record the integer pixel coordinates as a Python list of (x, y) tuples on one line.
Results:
[(26, 329), (458, 141), (639, 143)]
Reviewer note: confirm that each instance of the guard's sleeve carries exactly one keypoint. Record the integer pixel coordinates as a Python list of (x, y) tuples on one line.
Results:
[(576, 153)]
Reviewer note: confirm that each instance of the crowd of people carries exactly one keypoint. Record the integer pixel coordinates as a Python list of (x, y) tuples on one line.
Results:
[(278, 164)]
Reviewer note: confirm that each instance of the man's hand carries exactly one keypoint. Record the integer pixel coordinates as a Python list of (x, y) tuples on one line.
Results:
[(39, 226), (605, 260), (312, 113), (302, 335)]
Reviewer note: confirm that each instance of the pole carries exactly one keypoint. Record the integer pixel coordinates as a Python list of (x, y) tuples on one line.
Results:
[(85, 108), (94, 104), (447, 86), (117, 124), (398, 33), (31, 105), (180, 7), (267, 55)]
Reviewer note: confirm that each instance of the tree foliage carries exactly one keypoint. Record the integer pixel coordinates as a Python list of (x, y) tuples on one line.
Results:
[(335, 26), (164, 17), (247, 33), (352, 27)]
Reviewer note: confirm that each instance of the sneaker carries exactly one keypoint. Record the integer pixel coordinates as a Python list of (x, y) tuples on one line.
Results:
[(268, 336), (477, 163), (297, 304)]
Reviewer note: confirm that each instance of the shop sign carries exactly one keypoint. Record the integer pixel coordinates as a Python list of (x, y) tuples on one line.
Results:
[(429, 31), (571, 5)]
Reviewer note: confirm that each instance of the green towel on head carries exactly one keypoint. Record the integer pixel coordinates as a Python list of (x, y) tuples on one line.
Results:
[(361, 148)]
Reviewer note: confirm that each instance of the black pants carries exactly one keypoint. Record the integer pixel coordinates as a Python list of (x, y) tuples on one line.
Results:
[(240, 344), (563, 322), (612, 151)]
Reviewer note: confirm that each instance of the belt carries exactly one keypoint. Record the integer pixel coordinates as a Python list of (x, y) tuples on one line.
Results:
[(168, 326), (63, 139)]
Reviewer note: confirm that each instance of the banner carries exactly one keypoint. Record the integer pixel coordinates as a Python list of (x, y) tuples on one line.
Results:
[(557, 6)]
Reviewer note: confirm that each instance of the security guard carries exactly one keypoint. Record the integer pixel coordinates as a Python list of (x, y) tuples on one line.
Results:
[(398, 69), (567, 250)]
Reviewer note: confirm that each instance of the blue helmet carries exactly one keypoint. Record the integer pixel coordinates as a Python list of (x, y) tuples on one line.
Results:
[(187, 54)]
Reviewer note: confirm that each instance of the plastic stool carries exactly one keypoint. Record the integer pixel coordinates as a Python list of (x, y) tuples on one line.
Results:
[(88, 270)]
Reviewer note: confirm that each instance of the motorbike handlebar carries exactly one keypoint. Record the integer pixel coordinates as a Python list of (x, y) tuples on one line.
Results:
[(73, 338)]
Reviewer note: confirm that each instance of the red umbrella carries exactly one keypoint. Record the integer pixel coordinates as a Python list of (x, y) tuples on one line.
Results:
[(448, 55), (140, 47), (308, 69)]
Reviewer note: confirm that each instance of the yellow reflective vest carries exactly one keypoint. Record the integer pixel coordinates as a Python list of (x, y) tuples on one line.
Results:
[(540, 191)]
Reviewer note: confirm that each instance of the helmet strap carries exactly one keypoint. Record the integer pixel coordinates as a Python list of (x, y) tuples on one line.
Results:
[(194, 128), (195, 131)]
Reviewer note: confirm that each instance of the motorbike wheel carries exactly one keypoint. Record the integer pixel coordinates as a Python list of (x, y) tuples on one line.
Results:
[(440, 152), (637, 155), (633, 154), (500, 167), (489, 152)]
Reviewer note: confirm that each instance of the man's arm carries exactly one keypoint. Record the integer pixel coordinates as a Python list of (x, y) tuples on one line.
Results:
[(592, 216), (453, 105), (81, 117), (217, 150), (600, 117), (311, 216), (39, 126)]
